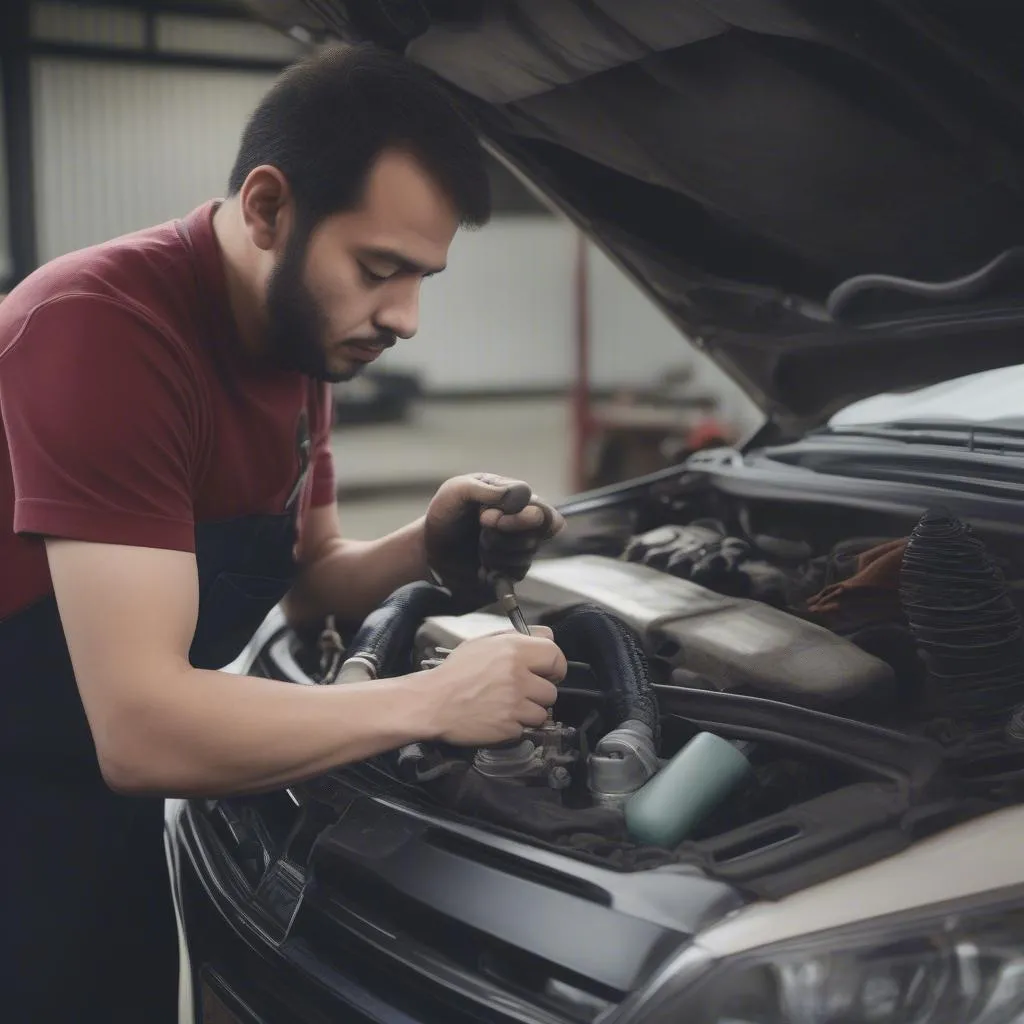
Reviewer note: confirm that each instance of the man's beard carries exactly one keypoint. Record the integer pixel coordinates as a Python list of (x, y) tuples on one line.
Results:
[(297, 325)]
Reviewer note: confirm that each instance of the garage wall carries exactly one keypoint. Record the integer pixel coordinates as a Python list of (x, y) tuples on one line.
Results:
[(119, 147), (503, 315), (500, 315), (56, 22), (5, 234), (122, 145)]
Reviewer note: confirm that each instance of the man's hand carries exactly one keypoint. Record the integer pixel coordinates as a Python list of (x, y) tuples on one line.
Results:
[(481, 524), (490, 688)]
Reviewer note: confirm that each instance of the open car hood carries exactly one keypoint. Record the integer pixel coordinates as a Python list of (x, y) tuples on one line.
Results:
[(745, 159)]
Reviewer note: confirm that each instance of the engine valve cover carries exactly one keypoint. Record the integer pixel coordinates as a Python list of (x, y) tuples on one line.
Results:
[(737, 643)]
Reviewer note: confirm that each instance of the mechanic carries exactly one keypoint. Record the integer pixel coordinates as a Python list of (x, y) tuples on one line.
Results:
[(168, 480)]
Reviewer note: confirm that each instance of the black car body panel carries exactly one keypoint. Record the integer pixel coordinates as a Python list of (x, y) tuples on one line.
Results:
[(402, 915)]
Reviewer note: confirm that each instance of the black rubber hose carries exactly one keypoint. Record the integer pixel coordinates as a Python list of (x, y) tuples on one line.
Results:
[(387, 633), (959, 288), (589, 634)]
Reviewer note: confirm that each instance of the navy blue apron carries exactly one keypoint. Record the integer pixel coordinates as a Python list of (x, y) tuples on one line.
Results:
[(86, 919)]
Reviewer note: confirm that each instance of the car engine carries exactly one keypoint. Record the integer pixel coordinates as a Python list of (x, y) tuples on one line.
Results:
[(719, 680)]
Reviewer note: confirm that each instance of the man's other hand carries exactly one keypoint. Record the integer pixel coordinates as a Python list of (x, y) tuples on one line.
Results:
[(480, 524)]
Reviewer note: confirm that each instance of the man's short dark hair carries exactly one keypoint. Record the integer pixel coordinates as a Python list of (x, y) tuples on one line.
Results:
[(328, 118)]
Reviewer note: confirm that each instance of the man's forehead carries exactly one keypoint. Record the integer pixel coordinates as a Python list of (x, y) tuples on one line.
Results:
[(411, 227), (403, 213), (399, 186)]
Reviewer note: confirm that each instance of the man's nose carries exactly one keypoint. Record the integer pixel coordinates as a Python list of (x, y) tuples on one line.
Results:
[(400, 313)]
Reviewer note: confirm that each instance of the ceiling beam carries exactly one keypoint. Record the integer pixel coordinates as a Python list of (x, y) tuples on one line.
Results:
[(231, 10), (162, 58)]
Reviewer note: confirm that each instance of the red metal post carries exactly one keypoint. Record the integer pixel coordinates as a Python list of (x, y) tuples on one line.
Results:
[(581, 418)]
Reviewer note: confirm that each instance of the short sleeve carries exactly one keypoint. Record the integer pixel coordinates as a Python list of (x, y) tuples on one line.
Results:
[(101, 415), (323, 488)]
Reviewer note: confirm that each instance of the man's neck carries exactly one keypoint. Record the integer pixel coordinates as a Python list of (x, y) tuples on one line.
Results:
[(239, 273)]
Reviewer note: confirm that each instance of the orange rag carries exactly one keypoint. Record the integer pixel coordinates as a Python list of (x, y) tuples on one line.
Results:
[(870, 594)]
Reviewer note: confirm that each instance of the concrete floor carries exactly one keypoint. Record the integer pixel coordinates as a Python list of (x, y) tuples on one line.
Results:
[(525, 438)]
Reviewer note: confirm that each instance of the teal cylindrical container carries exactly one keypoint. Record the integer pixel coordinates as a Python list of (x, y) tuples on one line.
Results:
[(685, 791)]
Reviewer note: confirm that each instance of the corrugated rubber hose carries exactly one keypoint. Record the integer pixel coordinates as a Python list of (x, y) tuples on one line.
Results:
[(589, 634), (967, 628)]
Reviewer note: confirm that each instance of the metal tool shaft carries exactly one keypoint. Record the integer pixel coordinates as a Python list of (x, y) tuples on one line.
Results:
[(515, 500), (510, 604)]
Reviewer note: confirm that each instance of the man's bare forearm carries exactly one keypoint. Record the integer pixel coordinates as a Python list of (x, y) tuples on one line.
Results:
[(349, 578), (212, 733)]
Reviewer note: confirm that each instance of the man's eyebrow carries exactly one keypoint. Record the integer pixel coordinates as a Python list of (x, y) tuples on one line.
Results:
[(402, 262)]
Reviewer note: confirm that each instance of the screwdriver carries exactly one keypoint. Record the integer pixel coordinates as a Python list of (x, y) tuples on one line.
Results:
[(515, 500), (506, 591), (510, 603)]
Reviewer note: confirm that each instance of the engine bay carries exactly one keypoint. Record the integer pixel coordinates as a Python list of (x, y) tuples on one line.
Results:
[(749, 702)]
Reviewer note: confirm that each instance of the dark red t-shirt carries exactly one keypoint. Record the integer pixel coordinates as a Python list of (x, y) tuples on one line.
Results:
[(131, 411)]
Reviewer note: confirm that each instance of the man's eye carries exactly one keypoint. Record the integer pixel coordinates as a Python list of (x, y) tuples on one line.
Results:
[(371, 277)]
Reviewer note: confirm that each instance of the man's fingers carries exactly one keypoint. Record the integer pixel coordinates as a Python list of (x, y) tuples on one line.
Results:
[(490, 517), (532, 518), (503, 493), (544, 658), (532, 714), (541, 691), (509, 543), (538, 632), (516, 497), (538, 517)]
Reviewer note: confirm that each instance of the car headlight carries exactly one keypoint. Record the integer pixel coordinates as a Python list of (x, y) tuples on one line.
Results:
[(961, 966)]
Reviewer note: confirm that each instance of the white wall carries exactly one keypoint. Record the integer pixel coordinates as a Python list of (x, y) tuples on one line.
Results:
[(503, 315), (119, 147)]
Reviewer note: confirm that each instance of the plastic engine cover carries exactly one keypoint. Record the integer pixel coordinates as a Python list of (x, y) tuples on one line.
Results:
[(735, 643), (448, 631)]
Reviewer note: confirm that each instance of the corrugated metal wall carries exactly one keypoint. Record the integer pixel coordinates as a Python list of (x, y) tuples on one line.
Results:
[(214, 37), (119, 147), (121, 27), (5, 234), (102, 26)]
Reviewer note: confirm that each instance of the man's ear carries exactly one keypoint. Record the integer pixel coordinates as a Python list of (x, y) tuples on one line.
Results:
[(266, 203)]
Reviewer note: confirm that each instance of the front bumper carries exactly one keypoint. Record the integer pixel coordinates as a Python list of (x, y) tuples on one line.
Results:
[(431, 927)]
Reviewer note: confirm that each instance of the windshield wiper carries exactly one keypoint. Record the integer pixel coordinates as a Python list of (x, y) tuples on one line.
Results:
[(989, 438)]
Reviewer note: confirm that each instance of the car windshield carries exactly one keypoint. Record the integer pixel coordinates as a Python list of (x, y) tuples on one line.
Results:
[(994, 398)]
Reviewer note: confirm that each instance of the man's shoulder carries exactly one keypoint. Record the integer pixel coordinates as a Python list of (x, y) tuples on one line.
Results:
[(148, 276)]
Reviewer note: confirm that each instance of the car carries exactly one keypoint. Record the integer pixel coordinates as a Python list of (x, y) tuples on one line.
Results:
[(782, 781)]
